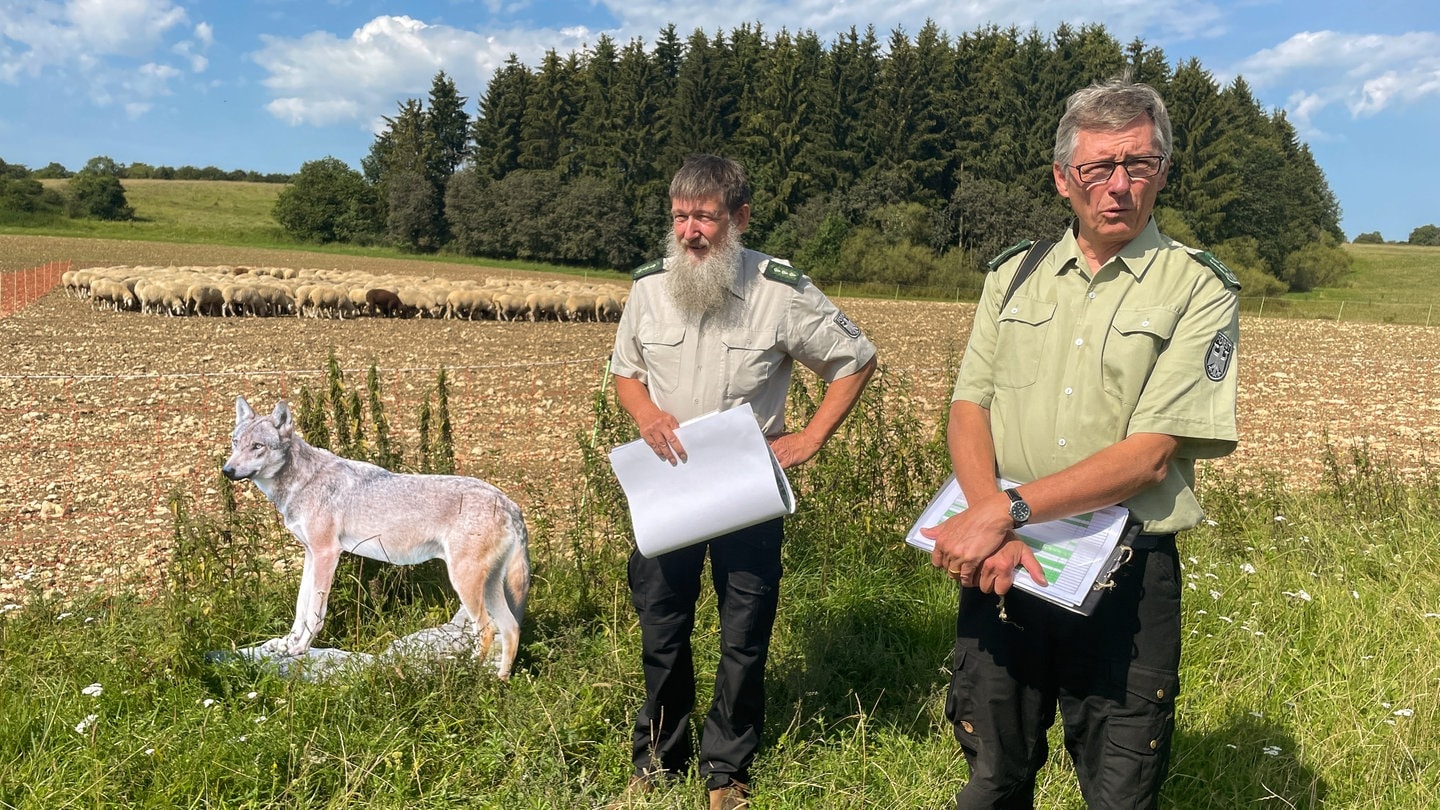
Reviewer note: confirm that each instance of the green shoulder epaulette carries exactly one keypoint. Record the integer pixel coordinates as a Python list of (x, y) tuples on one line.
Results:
[(781, 271), (1225, 274), (647, 269), (1023, 244)]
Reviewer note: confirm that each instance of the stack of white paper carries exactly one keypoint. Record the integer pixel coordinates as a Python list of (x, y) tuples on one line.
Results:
[(1075, 552), (730, 481)]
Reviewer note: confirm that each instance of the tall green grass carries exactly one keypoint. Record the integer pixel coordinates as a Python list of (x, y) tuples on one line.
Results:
[(1309, 676)]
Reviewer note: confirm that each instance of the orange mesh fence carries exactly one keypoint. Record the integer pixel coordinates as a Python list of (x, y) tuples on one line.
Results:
[(21, 287)]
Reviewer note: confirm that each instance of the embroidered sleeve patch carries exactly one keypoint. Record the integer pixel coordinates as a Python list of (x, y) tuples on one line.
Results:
[(846, 326), (1217, 359)]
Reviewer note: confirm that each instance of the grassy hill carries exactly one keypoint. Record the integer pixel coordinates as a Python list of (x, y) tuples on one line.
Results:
[(195, 211)]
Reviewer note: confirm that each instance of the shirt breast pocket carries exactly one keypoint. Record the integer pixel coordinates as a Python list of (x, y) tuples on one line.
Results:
[(1023, 325), (751, 358), (660, 348), (1136, 338)]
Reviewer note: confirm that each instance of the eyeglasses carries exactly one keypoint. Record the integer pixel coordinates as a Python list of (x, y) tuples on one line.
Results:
[(1137, 168)]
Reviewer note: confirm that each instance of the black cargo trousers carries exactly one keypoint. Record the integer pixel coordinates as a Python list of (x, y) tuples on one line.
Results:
[(745, 572), (1114, 676)]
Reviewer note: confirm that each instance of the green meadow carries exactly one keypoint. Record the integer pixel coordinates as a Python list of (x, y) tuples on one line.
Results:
[(1309, 676)]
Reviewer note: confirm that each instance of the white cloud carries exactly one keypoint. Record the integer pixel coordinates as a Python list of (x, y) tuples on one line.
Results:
[(1124, 19), (321, 79), (95, 45), (205, 33), (1365, 73)]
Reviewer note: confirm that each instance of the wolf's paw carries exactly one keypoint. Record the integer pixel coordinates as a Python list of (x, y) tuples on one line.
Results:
[(287, 645)]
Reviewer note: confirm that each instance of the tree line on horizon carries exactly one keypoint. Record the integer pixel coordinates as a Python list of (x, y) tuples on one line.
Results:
[(910, 160)]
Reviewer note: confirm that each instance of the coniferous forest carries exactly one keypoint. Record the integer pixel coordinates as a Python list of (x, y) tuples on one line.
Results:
[(901, 159)]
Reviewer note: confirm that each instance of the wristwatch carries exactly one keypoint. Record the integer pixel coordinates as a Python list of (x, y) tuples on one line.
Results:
[(1019, 509)]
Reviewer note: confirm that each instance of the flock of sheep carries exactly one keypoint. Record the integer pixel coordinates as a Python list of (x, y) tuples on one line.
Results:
[(224, 290)]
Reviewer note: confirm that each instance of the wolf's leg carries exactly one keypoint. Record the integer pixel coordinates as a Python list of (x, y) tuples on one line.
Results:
[(315, 581)]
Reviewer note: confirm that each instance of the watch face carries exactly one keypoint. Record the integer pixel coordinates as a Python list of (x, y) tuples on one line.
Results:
[(1019, 512)]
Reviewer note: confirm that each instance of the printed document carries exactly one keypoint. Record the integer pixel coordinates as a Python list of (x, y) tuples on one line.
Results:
[(1075, 552), (731, 480)]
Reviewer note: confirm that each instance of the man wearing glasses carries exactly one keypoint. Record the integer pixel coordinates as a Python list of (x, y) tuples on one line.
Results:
[(1100, 381)]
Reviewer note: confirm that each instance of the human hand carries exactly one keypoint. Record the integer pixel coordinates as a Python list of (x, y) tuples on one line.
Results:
[(964, 541), (793, 449), (997, 573), (658, 431)]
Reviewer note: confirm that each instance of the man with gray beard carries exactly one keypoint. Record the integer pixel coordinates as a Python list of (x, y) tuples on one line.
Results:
[(710, 327)]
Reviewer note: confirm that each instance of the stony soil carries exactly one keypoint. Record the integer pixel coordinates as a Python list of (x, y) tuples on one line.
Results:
[(103, 414)]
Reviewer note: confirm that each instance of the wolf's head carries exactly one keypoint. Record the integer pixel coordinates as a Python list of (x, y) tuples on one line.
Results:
[(260, 445)]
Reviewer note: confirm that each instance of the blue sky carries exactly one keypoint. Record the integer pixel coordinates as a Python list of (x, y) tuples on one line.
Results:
[(270, 84)]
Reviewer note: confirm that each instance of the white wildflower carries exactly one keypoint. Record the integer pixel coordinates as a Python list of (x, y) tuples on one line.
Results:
[(84, 725), (1271, 750), (262, 718), (1209, 522), (63, 616), (9, 607), (1279, 518), (1215, 594), (252, 695), (1226, 619), (1247, 568), (207, 703), (1257, 714), (93, 690), (1302, 595), (1202, 612), (1404, 712)]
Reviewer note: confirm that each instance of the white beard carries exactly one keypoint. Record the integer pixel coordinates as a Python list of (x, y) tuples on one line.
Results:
[(701, 288)]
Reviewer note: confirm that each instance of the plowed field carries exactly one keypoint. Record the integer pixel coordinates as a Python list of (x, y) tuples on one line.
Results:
[(102, 413)]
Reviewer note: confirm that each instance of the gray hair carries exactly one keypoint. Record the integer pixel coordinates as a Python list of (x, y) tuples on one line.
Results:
[(1109, 106), (703, 176)]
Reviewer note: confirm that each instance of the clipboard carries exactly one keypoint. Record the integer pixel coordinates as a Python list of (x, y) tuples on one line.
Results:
[(1080, 553)]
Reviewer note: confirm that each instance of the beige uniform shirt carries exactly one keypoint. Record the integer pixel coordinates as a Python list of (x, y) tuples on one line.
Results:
[(1076, 363), (694, 368)]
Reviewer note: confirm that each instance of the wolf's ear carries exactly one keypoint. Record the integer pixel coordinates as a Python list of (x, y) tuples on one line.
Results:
[(243, 411), (284, 422)]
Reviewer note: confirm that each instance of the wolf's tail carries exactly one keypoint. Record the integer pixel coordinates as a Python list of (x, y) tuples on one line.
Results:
[(506, 589)]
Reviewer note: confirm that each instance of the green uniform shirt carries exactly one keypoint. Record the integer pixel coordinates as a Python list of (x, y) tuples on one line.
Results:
[(692, 368), (1076, 363)]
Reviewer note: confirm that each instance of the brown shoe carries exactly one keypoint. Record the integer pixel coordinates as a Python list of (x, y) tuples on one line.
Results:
[(734, 796), (635, 794)]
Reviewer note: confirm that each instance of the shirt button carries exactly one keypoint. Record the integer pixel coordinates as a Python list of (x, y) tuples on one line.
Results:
[(1144, 323), (1062, 442), (1014, 310), (1079, 341), (1092, 294), (1069, 391)]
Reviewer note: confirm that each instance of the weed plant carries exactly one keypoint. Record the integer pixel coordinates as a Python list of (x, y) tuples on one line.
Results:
[(1310, 675)]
